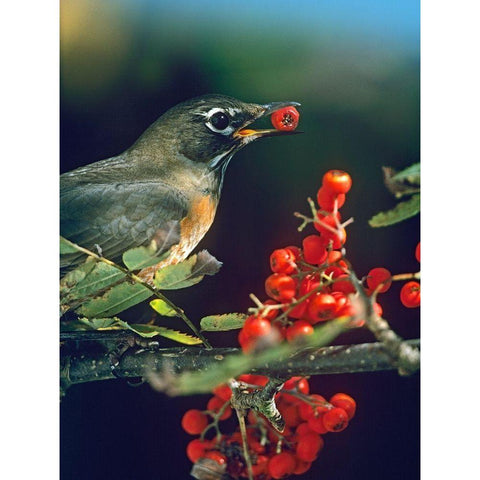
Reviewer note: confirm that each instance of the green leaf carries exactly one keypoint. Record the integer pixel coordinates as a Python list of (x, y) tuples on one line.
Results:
[(115, 300), (85, 324), (410, 174), (100, 323), (162, 308), (222, 323), (74, 277), (406, 182), (66, 246), (149, 331), (402, 211), (187, 273), (97, 279)]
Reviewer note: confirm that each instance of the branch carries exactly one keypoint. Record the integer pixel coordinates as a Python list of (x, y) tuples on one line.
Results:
[(93, 366)]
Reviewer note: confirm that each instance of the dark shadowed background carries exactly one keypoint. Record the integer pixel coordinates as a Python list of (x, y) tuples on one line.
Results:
[(355, 68)]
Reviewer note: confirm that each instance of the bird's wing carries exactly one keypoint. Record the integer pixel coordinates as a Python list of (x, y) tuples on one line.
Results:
[(116, 216)]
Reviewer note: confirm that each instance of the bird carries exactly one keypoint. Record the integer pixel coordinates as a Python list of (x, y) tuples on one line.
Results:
[(172, 174)]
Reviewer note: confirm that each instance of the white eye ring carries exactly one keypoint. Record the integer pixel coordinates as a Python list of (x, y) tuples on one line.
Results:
[(226, 131)]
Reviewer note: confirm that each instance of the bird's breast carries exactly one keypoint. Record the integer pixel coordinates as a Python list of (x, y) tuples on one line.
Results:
[(193, 227)]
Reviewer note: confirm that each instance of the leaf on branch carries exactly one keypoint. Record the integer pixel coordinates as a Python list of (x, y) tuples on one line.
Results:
[(405, 182), (115, 300), (86, 324), (222, 323), (149, 331), (162, 308), (100, 323), (66, 246), (187, 273), (74, 277), (402, 211), (142, 257), (96, 279)]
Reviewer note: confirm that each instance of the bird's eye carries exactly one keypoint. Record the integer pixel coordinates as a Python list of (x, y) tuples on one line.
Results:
[(219, 121)]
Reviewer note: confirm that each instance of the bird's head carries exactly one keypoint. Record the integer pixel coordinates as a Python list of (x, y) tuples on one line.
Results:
[(211, 128)]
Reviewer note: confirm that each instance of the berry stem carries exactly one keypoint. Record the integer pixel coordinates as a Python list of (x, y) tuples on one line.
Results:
[(405, 276)]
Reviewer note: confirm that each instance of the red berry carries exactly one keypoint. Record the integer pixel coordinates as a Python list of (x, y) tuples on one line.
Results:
[(299, 384), (343, 284), (379, 275), (290, 415), (307, 411), (326, 199), (281, 465), (255, 327), (300, 328), (194, 422), (280, 287), (308, 447), (223, 392), (333, 271), (338, 239), (298, 311), (417, 252), (285, 119), (295, 251), (410, 294), (322, 307), (323, 222), (335, 257), (252, 379), (335, 420), (220, 458), (215, 404), (283, 261), (337, 181), (342, 400), (196, 449), (316, 424), (247, 343), (303, 429), (272, 313), (314, 250), (309, 282), (260, 466), (302, 467), (340, 299)]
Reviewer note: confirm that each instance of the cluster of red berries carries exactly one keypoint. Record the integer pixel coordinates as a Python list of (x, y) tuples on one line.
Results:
[(273, 455), (313, 284), (309, 284)]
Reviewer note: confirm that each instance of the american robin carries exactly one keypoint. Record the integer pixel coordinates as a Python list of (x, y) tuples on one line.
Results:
[(173, 172)]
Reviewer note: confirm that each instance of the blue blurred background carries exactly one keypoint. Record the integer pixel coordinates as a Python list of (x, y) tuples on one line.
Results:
[(355, 67)]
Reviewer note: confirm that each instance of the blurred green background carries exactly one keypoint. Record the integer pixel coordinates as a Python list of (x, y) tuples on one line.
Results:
[(355, 68)]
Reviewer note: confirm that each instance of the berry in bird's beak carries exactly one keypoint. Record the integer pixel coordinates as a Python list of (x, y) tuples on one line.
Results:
[(285, 120)]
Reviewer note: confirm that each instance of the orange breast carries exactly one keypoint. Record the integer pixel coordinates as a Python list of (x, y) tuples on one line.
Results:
[(192, 229)]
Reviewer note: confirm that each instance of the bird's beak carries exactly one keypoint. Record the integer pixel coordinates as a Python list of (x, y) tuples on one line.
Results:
[(248, 134)]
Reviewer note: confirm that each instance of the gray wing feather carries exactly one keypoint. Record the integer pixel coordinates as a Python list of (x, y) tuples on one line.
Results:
[(116, 216)]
